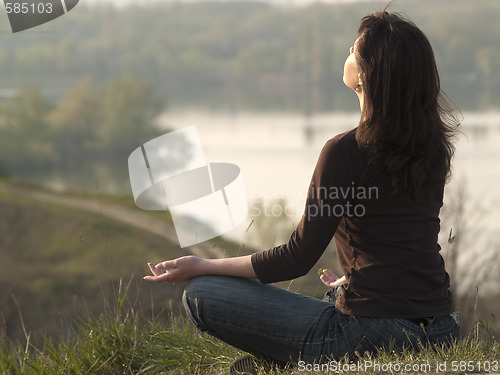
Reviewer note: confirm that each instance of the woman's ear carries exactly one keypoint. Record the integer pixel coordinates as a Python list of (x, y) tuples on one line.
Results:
[(359, 85)]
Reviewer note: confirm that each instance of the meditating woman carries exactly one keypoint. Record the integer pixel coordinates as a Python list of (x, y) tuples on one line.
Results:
[(394, 289)]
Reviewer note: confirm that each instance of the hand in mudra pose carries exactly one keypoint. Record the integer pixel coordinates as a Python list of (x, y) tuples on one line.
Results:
[(182, 269), (175, 271), (330, 279)]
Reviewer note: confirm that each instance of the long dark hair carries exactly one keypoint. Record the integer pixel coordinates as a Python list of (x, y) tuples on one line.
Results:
[(406, 125)]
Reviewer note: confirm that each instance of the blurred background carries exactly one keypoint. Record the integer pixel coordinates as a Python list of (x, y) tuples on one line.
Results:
[(262, 82)]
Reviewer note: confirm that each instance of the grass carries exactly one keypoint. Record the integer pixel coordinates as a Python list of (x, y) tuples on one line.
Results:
[(118, 341), (56, 260), (122, 341), (60, 260)]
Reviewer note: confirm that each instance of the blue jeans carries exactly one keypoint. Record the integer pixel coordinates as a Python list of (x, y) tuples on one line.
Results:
[(277, 324)]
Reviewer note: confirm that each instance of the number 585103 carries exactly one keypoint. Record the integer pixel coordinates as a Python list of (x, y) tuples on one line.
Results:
[(24, 8)]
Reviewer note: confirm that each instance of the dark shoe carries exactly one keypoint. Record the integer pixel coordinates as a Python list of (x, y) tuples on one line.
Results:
[(243, 366)]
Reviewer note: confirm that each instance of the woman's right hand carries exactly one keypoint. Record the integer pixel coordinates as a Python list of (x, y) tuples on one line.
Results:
[(182, 269), (175, 271), (330, 279)]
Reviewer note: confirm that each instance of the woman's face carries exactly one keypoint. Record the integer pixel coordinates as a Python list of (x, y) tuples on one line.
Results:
[(352, 73)]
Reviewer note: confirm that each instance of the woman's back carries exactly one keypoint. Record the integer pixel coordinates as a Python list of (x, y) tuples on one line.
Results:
[(386, 242)]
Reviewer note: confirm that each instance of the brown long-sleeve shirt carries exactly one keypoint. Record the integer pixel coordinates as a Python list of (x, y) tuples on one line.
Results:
[(386, 244)]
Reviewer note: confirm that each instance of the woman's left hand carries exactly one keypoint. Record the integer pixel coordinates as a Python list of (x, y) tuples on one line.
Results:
[(330, 279)]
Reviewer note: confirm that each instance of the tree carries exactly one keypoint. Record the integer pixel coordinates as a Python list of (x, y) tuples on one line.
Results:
[(25, 134), (76, 120), (129, 107)]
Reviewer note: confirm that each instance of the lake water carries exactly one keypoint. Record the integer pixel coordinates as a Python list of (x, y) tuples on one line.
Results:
[(277, 152)]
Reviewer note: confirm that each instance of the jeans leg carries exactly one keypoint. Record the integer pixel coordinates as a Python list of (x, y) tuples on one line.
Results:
[(332, 294), (398, 332), (266, 320), (275, 323)]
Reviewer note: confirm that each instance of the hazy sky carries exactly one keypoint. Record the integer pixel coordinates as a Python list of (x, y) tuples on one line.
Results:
[(279, 2)]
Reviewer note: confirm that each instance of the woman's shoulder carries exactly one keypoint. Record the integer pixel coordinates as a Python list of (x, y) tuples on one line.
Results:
[(345, 139), (341, 156), (343, 143)]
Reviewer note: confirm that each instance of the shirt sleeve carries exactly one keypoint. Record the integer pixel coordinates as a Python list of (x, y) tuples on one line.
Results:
[(327, 202)]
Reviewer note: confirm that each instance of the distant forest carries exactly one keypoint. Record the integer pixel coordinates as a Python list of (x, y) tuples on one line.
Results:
[(245, 55)]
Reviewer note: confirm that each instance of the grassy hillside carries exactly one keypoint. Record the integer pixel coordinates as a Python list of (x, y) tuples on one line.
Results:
[(119, 341), (73, 300), (58, 261)]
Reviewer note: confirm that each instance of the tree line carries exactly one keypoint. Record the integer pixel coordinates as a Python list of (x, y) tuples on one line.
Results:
[(240, 55), (88, 86), (89, 123)]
